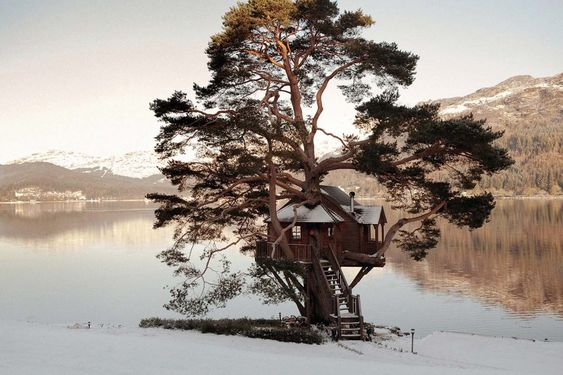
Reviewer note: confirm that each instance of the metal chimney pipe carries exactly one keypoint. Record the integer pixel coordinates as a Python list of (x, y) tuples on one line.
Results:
[(352, 195)]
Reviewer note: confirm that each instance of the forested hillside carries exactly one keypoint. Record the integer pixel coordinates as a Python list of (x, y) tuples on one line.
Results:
[(530, 112), (46, 181)]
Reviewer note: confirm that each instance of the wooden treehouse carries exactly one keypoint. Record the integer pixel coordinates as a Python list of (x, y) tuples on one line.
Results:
[(336, 233)]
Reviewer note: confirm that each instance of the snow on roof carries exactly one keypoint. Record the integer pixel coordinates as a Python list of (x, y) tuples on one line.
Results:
[(336, 193), (366, 214), (323, 214), (317, 214)]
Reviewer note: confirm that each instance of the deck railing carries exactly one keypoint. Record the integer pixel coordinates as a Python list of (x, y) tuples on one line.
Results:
[(330, 254), (271, 250)]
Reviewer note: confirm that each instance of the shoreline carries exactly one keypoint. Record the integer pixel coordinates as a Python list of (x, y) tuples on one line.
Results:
[(500, 197), (80, 201)]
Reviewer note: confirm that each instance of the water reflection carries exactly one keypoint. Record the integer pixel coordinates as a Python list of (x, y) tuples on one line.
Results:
[(515, 260), (70, 262), (75, 225), (91, 261)]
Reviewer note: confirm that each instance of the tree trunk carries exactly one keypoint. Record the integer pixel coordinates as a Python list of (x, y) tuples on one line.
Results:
[(312, 188), (316, 306), (318, 296)]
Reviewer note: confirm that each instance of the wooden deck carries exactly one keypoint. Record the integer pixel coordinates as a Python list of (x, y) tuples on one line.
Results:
[(302, 253), (270, 250)]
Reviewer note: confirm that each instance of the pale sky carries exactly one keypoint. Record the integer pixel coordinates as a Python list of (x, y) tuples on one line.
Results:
[(79, 75)]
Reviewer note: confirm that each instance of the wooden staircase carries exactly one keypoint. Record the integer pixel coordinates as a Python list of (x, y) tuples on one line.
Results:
[(346, 308)]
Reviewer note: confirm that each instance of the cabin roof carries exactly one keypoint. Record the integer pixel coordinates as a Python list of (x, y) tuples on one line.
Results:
[(323, 214), (317, 214), (337, 194), (366, 214)]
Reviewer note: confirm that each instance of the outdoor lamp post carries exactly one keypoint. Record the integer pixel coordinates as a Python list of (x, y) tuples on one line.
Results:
[(412, 340)]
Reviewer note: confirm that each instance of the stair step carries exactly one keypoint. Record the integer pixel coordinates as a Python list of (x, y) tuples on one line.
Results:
[(349, 320), (353, 327), (351, 337)]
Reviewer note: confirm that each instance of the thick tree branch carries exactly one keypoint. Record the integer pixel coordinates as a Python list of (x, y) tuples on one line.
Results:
[(319, 96), (402, 222)]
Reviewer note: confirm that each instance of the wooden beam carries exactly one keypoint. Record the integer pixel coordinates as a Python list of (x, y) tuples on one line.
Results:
[(361, 273), (364, 259), (287, 289)]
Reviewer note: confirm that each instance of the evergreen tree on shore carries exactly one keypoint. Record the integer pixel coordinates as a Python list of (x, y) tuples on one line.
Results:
[(255, 126)]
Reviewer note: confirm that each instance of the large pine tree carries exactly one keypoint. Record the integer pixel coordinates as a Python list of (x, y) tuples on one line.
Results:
[(254, 127)]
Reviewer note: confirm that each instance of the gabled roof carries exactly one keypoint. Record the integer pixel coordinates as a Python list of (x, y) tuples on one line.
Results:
[(362, 214), (317, 214), (323, 214), (367, 214), (337, 194)]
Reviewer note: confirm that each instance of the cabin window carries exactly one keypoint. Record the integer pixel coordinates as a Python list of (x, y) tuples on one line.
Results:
[(296, 232), (372, 232), (331, 231)]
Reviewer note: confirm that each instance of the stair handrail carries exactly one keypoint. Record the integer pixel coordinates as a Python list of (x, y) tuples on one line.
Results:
[(338, 270), (316, 262), (352, 305)]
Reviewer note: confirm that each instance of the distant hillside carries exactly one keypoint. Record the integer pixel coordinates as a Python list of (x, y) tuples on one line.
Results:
[(46, 181), (530, 111), (138, 164)]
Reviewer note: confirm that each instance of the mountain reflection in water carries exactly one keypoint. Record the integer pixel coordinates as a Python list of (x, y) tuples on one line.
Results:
[(73, 262), (73, 225), (515, 260)]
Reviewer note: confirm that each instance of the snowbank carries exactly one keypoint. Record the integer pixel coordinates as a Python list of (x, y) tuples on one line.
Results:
[(28, 348)]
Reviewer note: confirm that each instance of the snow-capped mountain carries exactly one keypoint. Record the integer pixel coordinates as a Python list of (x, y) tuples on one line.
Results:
[(530, 113), (136, 164), (529, 110), (510, 100)]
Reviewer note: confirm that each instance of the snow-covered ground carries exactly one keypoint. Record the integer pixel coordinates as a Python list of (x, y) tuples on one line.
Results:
[(31, 348)]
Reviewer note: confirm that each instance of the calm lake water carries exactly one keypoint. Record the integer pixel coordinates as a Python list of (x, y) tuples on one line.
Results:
[(71, 263)]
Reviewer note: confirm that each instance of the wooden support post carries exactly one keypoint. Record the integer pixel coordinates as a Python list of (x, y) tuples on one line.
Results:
[(361, 273)]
